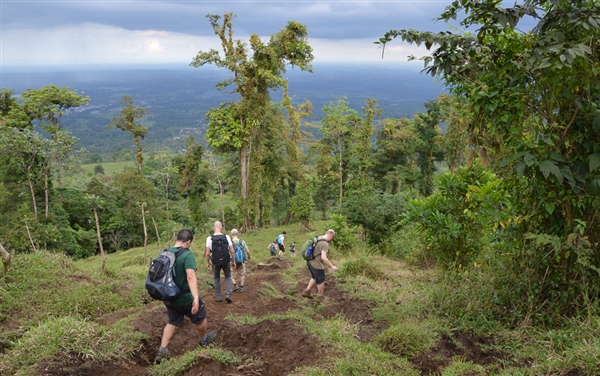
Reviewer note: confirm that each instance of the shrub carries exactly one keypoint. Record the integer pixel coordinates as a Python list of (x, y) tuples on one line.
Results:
[(362, 266), (406, 339), (344, 235), (460, 219)]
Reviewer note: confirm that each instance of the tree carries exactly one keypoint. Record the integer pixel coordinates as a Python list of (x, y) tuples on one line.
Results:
[(48, 104), (338, 122), (360, 150), (11, 112), (96, 203), (393, 160), (233, 126), (194, 179), (537, 92), (302, 204), (428, 145), (126, 121)]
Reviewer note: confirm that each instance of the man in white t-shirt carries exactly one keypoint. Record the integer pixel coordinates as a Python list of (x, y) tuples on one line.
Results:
[(219, 253)]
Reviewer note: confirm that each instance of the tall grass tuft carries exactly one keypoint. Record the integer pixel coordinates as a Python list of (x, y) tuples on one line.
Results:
[(361, 266), (67, 335), (406, 338)]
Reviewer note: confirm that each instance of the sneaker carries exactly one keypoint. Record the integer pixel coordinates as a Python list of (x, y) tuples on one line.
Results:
[(235, 288), (228, 300), (242, 289), (307, 294), (208, 338), (162, 354)]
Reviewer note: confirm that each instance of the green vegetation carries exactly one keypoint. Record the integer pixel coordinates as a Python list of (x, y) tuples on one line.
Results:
[(489, 229)]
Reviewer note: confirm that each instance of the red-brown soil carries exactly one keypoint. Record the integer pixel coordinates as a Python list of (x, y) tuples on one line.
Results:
[(271, 347)]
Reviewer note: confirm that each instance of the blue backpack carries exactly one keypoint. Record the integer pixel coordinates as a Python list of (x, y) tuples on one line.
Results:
[(240, 252)]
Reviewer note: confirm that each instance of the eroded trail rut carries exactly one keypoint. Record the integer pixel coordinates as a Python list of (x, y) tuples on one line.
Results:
[(270, 347)]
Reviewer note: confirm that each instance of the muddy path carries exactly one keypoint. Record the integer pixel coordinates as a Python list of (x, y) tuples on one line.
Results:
[(270, 347)]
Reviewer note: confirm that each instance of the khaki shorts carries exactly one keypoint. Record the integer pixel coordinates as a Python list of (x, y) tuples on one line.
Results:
[(240, 268)]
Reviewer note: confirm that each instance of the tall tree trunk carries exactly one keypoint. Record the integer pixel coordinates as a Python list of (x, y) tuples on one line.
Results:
[(220, 195), (157, 234), (145, 231), (30, 238), (138, 154), (6, 258), (341, 170), (244, 155), (35, 211), (46, 172), (100, 239)]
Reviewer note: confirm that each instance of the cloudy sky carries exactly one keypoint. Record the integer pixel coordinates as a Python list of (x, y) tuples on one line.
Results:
[(85, 32)]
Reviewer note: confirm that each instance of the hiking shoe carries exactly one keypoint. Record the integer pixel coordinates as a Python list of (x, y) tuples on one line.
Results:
[(228, 300), (235, 288), (161, 355), (208, 338), (242, 289), (307, 294)]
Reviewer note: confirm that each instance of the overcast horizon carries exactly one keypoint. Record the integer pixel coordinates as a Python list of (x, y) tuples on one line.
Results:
[(92, 32)]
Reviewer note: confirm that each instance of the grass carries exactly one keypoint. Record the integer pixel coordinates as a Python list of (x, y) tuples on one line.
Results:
[(69, 295), (180, 365), (69, 335)]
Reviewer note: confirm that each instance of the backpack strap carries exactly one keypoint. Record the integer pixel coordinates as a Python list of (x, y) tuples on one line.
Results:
[(315, 245), (180, 251)]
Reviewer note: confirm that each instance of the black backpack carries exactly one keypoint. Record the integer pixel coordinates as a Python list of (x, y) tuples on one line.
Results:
[(220, 250), (159, 282)]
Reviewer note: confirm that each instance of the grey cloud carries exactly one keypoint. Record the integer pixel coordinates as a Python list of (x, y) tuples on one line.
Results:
[(325, 19)]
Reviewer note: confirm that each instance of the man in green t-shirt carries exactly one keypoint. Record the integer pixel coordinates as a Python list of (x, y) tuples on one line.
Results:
[(188, 303)]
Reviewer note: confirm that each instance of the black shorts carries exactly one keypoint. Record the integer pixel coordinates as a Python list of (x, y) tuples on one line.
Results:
[(317, 274), (176, 314), (281, 247)]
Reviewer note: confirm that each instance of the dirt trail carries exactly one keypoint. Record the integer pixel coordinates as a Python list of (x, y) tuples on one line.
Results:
[(267, 348)]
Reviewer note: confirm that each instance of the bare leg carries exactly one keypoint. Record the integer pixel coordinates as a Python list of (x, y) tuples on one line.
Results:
[(202, 328), (320, 288), (311, 284), (168, 334)]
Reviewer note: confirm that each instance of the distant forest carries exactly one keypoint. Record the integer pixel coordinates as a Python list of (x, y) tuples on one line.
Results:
[(179, 96)]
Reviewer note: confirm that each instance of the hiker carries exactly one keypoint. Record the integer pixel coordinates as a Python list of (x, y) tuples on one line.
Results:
[(272, 249), (293, 249), (281, 244), (241, 253), (189, 302), (218, 253), (317, 265)]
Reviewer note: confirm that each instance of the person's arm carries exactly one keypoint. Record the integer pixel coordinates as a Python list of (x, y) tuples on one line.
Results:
[(327, 262), (232, 255), (193, 284), (207, 256), (247, 250)]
